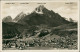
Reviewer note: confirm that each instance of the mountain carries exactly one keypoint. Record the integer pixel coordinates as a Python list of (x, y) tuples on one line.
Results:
[(19, 16), (7, 19), (41, 15)]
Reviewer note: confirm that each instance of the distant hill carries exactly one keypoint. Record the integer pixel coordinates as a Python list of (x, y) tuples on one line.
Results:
[(7, 19)]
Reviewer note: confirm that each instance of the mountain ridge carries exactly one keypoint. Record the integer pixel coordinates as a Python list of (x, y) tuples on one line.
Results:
[(42, 15)]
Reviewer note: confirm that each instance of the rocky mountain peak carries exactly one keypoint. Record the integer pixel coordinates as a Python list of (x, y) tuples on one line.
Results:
[(19, 16), (40, 9)]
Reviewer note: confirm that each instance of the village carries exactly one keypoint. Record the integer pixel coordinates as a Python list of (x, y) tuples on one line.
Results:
[(43, 39)]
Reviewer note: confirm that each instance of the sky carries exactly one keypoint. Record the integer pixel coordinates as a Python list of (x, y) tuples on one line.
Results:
[(65, 9)]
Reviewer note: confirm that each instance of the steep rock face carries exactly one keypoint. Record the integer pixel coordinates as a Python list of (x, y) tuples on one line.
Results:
[(42, 15), (7, 19), (19, 16), (39, 9)]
